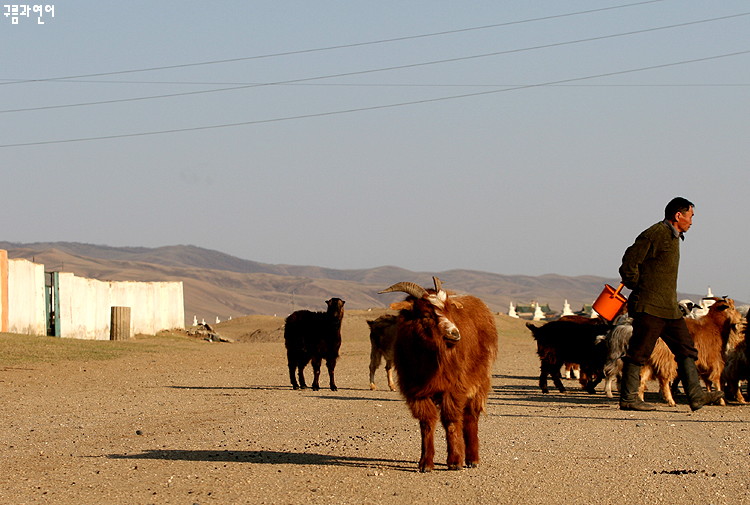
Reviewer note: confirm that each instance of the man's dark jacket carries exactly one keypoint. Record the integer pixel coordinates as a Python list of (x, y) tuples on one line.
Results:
[(649, 267)]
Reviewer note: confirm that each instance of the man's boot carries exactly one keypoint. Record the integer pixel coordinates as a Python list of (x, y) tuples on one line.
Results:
[(697, 396), (631, 381)]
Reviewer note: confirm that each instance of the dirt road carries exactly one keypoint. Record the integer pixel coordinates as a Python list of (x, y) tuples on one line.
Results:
[(198, 422)]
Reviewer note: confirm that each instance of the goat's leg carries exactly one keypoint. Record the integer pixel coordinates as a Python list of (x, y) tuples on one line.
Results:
[(715, 379), (389, 375), (646, 375), (608, 386), (452, 418), (454, 437), (554, 372), (567, 371), (301, 375), (471, 432), (738, 394), (291, 360), (665, 386), (676, 385), (292, 378), (592, 382), (375, 357), (576, 371), (331, 366), (316, 373), (427, 413), (642, 387), (543, 379), (731, 385)]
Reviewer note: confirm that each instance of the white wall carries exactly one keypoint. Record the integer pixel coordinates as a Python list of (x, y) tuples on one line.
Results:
[(26, 310), (86, 304)]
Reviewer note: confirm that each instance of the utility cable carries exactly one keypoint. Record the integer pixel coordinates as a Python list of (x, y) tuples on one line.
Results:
[(370, 71), (375, 107), (329, 48)]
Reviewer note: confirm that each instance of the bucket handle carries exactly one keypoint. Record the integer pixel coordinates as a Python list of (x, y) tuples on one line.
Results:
[(617, 291)]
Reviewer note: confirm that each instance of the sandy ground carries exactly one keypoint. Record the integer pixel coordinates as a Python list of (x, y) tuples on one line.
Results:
[(207, 422)]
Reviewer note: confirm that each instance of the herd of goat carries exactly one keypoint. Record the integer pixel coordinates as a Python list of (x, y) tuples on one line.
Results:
[(442, 346)]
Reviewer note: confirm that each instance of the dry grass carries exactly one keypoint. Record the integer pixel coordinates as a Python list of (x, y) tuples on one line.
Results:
[(25, 349)]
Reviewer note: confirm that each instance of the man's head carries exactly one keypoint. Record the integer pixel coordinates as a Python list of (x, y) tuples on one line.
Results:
[(679, 211)]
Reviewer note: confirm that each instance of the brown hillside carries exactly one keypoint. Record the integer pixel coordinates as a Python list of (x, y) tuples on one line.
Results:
[(219, 285)]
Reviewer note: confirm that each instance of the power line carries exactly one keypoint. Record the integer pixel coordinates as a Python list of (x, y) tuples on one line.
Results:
[(383, 69), (342, 46), (377, 107), (399, 85)]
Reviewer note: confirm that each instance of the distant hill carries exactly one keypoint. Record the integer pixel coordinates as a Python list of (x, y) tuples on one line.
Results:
[(220, 285)]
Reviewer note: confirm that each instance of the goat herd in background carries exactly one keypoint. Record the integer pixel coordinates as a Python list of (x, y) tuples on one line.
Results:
[(442, 346), (597, 347)]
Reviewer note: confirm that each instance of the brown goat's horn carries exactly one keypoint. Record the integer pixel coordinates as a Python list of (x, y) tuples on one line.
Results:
[(409, 288), (438, 284)]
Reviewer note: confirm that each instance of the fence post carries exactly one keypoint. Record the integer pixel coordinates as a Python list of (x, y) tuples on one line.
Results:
[(119, 327)]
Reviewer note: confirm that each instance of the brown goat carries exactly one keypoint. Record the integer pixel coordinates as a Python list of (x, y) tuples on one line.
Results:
[(382, 338), (445, 347), (710, 334), (737, 366)]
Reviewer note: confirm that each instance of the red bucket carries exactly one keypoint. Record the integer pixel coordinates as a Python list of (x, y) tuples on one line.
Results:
[(610, 302)]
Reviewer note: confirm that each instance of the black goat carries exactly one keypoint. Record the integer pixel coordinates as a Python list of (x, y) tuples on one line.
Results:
[(571, 339), (311, 337)]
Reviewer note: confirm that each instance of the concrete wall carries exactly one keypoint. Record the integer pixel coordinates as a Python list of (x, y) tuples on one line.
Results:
[(85, 304), (26, 308), (3, 290), (154, 306)]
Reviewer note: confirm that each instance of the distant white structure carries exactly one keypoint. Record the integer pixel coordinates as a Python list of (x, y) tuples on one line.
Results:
[(195, 320), (217, 320), (538, 314), (512, 311), (701, 309), (566, 309)]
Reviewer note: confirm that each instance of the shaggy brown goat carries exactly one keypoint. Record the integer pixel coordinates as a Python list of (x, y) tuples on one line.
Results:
[(710, 334), (737, 367), (311, 337), (382, 338), (445, 347)]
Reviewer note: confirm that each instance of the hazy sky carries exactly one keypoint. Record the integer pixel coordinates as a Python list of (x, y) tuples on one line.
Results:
[(517, 137)]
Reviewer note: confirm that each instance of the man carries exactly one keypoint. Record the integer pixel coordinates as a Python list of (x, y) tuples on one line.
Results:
[(649, 269)]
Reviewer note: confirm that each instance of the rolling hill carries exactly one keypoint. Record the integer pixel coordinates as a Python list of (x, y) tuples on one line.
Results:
[(220, 285)]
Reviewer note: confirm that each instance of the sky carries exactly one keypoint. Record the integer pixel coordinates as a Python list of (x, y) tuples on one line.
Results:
[(517, 137)]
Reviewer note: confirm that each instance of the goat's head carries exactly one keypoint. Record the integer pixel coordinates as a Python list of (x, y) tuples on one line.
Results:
[(686, 307), (434, 305), (336, 307), (724, 312)]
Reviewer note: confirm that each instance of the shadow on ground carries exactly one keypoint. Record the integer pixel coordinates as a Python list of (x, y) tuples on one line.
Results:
[(270, 457)]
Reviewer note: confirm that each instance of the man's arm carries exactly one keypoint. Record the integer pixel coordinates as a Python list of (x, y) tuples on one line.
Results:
[(632, 259)]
